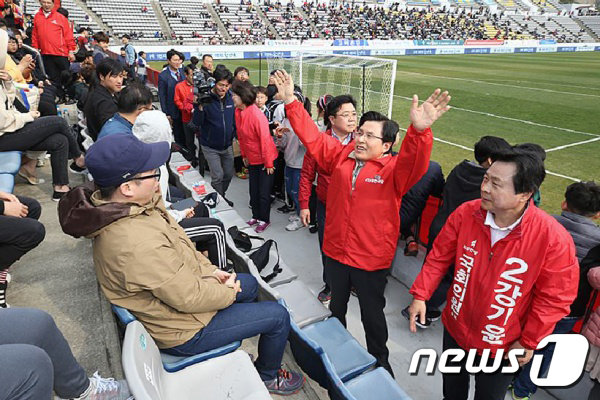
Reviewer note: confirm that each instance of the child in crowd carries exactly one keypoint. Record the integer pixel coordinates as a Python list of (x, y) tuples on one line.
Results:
[(321, 107)]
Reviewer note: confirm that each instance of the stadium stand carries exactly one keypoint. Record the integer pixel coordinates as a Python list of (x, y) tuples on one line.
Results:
[(243, 23), (191, 20), (76, 14), (127, 17), (287, 20), (591, 22)]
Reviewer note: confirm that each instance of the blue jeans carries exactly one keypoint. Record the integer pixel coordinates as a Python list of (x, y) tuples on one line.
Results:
[(523, 386), (321, 232), (292, 184), (241, 320)]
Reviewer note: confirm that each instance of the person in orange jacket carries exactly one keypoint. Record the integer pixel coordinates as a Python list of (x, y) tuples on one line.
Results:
[(184, 100), (363, 201)]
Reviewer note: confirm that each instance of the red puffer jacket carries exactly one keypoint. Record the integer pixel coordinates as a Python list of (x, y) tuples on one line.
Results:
[(591, 330), (516, 290), (256, 143), (52, 35), (363, 219)]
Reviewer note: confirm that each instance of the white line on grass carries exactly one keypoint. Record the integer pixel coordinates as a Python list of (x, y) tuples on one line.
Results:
[(498, 84), (460, 146), (542, 83), (573, 144)]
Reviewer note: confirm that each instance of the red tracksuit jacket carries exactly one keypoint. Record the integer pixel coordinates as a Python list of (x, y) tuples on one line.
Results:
[(309, 170), (52, 35), (363, 221), (516, 290), (256, 142), (184, 100)]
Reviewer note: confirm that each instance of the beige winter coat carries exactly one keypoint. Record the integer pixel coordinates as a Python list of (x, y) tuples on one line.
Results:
[(10, 119)]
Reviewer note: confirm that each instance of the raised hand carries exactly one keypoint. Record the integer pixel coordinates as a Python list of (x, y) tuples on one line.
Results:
[(424, 115), (285, 86)]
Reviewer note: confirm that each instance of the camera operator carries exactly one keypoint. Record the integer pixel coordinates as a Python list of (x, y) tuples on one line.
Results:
[(214, 116)]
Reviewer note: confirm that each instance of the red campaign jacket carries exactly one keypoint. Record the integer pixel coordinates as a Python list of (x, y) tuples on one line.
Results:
[(363, 222), (256, 143), (516, 290), (184, 100), (52, 35)]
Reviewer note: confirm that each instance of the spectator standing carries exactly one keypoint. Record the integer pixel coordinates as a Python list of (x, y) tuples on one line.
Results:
[(341, 120), (193, 62), (207, 65), (241, 74), (20, 232), (184, 100), (122, 58), (516, 273), (101, 102), (100, 47), (130, 56), (366, 188), (142, 64), (217, 129), (53, 36), (258, 151), (83, 38), (133, 100), (167, 80)]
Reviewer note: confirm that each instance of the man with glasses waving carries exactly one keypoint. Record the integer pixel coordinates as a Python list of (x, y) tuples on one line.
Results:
[(145, 263), (363, 201)]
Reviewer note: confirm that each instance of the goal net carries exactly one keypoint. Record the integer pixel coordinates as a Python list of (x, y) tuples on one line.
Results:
[(369, 80)]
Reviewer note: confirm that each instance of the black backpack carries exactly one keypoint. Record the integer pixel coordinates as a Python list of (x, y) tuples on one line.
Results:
[(242, 239), (261, 258)]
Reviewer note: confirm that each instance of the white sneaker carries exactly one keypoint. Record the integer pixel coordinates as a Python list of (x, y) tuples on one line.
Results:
[(105, 389), (294, 225), (293, 218)]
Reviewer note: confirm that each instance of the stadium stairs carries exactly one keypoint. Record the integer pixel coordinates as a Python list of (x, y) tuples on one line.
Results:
[(594, 34), (162, 19), (219, 21), (267, 23), (305, 17)]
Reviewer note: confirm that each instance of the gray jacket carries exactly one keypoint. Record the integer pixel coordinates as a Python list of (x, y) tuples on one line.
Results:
[(293, 149), (585, 233)]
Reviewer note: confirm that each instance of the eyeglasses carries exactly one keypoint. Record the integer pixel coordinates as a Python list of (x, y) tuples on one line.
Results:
[(141, 178), (347, 115), (368, 136)]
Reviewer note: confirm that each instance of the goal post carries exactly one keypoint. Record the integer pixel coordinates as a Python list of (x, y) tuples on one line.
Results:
[(369, 80)]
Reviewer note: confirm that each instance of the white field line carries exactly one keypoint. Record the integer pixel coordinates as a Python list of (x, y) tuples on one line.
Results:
[(573, 144), (460, 146), (522, 121), (541, 83), (499, 84)]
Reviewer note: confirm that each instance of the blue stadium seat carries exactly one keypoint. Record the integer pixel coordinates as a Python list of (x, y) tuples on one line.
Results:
[(10, 162), (329, 337), (174, 363)]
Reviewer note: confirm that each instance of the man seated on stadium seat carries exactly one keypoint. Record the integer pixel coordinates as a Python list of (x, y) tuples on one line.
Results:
[(145, 263), (133, 100), (36, 359)]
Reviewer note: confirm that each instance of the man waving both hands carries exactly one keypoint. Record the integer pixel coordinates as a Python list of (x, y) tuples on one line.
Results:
[(363, 201)]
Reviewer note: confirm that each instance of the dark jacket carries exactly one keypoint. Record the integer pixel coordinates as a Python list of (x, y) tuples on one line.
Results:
[(166, 92), (415, 200), (463, 184), (206, 72), (216, 121), (585, 233), (585, 290), (100, 106)]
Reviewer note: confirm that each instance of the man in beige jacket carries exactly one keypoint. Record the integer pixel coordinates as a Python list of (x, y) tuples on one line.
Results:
[(145, 263)]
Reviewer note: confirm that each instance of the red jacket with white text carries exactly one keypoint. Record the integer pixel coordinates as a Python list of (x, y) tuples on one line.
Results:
[(516, 290), (363, 221), (52, 35)]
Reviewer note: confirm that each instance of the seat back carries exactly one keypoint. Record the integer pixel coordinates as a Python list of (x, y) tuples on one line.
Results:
[(124, 315), (141, 363), (10, 162)]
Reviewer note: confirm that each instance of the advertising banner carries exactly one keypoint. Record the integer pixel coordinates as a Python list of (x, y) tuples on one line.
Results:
[(501, 50), (420, 52), (438, 42), (525, 49), (350, 42), (562, 49), (353, 52), (477, 50), (267, 54), (450, 50), (473, 42)]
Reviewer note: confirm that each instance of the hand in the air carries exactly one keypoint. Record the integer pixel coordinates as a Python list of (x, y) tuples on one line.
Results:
[(424, 115)]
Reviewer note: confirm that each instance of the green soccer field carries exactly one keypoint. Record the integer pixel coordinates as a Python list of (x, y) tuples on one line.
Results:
[(552, 99)]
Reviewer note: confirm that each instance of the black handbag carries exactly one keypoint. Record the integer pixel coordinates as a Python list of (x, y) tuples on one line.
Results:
[(242, 239), (261, 257)]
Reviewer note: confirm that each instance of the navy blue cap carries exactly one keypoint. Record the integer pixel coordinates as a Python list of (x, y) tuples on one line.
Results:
[(117, 158)]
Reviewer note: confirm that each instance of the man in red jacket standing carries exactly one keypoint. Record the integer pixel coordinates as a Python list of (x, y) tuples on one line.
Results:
[(363, 202), (53, 36), (516, 274)]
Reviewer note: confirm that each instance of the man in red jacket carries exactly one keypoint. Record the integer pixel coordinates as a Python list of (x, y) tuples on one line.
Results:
[(53, 36), (184, 100), (516, 273), (363, 202)]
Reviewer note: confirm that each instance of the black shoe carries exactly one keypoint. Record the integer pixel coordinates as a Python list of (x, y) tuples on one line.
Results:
[(353, 292), (313, 228), (228, 201), (3, 287), (74, 168), (56, 196), (433, 315), (426, 325), (285, 209)]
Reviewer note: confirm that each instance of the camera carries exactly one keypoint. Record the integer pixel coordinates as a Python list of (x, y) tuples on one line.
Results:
[(203, 87)]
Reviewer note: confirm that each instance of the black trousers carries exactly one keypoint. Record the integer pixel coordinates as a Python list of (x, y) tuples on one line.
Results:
[(188, 131), (487, 386), (279, 175), (19, 235), (51, 134), (178, 132), (209, 235), (261, 184), (370, 287), (54, 66)]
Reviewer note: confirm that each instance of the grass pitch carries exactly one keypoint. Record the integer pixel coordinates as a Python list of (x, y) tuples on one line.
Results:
[(552, 99)]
